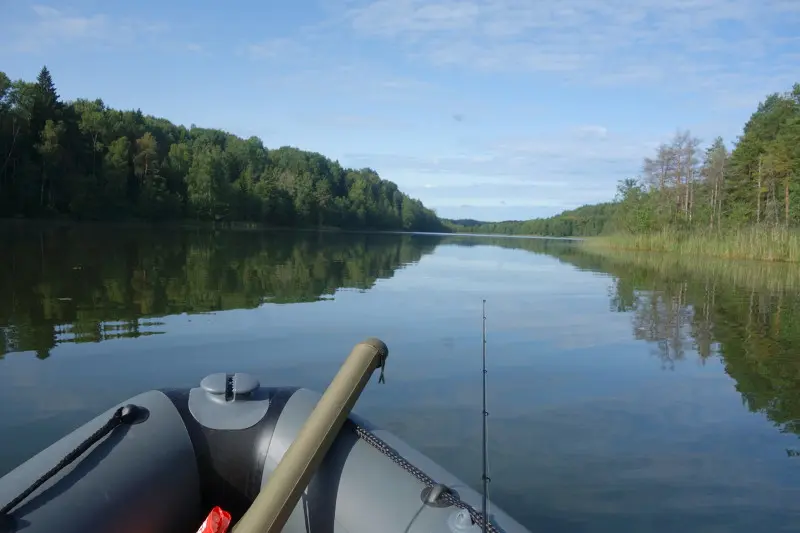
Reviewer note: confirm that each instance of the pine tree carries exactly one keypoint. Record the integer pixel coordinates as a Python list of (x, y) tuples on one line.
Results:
[(46, 104), (46, 87)]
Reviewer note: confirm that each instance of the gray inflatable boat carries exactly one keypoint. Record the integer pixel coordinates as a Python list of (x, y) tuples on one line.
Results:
[(158, 462)]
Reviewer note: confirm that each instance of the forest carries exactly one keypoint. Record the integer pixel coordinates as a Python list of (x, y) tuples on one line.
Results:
[(587, 220), (683, 187), (83, 160), (753, 184)]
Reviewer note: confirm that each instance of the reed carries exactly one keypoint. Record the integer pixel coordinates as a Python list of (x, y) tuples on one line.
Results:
[(768, 276), (759, 243)]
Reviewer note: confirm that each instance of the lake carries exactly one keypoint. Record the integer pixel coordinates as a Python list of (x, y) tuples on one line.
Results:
[(626, 393)]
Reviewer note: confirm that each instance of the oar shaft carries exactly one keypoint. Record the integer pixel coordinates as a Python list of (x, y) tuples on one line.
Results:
[(273, 505)]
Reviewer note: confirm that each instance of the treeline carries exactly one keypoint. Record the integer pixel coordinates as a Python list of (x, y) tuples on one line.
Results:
[(89, 284), (756, 183), (683, 187), (587, 220), (84, 160)]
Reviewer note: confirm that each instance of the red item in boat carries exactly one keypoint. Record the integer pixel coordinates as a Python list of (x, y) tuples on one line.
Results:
[(217, 521)]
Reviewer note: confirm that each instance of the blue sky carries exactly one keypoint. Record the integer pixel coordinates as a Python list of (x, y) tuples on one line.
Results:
[(490, 109)]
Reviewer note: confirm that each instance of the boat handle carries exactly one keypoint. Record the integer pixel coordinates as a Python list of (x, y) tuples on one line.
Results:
[(279, 496)]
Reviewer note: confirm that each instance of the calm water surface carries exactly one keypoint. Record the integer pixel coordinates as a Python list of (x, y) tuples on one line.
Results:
[(626, 394)]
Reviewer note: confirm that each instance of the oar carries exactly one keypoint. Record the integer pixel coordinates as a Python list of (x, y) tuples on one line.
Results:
[(277, 499)]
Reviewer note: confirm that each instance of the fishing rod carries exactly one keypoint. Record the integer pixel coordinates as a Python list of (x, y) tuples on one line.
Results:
[(485, 475)]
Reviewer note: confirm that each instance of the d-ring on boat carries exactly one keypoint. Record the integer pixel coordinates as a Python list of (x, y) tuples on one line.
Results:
[(276, 459)]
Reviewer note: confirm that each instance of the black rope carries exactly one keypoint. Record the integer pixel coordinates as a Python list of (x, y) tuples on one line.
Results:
[(123, 415), (447, 496)]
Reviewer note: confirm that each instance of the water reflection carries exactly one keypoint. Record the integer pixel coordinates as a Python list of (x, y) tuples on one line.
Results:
[(88, 284), (746, 313), (587, 432)]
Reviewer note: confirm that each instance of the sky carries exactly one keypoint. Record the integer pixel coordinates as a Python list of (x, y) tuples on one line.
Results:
[(486, 109)]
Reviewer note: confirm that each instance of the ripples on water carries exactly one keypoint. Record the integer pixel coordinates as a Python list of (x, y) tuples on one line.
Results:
[(627, 392)]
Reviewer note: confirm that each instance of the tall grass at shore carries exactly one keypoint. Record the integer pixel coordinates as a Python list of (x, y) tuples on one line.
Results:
[(758, 243), (769, 276)]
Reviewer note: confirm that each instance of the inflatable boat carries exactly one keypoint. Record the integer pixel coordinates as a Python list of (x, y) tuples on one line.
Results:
[(158, 462)]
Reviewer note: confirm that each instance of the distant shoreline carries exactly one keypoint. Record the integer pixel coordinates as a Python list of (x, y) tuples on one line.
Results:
[(242, 226)]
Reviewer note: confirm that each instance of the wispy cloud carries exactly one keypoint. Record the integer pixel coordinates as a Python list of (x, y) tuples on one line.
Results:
[(48, 27), (356, 78), (404, 83), (361, 122), (561, 170), (596, 42), (584, 151), (276, 48), (591, 131)]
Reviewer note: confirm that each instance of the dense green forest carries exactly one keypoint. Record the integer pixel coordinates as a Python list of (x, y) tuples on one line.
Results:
[(586, 220), (684, 187), (83, 160)]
